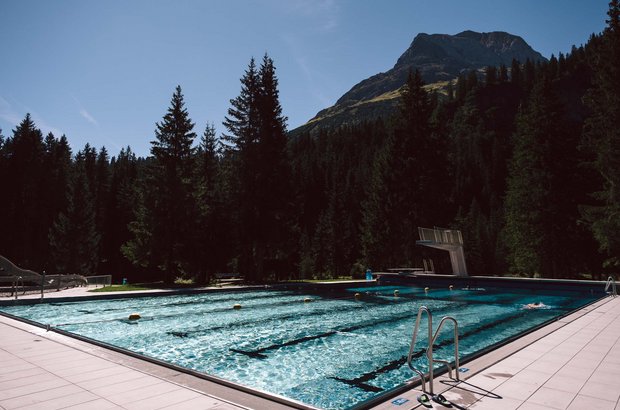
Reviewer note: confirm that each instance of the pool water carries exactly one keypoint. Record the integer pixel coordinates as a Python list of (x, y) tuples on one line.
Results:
[(332, 352)]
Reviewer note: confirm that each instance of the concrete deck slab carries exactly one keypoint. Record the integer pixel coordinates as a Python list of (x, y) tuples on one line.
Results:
[(575, 367)]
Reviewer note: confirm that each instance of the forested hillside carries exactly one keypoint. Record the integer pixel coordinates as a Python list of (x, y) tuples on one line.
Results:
[(525, 161)]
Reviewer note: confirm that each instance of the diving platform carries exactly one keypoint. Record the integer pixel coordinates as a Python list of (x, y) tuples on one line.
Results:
[(448, 240)]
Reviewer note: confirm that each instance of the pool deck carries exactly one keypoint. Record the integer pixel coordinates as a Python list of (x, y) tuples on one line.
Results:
[(574, 363)]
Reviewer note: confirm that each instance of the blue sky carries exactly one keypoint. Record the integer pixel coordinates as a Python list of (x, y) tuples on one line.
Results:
[(103, 72)]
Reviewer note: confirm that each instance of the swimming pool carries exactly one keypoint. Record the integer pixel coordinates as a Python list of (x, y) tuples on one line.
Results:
[(326, 349)]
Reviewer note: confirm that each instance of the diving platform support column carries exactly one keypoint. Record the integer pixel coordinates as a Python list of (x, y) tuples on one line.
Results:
[(448, 240)]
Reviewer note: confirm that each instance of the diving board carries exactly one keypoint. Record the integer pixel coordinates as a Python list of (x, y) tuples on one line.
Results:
[(448, 240)]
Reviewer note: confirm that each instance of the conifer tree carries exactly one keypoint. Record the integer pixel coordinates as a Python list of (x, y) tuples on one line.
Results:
[(119, 213), (414, 179), (101, 191), (241, 150), (210, 237), (23, 185), (166, 210), (59, 166), (490, 75), (602, 138), (74, 239), (461, 87), (503, 74), (541, 211), (515, 72), (274, 203), (258, 146)]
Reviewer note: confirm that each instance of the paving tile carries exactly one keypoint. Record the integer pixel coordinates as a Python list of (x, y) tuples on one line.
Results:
[(160, 401), (94, 374), (122, 375), (528, 355), (71, 367), (42, 396), (126, 386), (515, 390), (124, 397), (532, 406), (565, 383), (495, 404), (545, 366), (99, 404), (33, 387), (62, 402), (557, 358), (605, 378), (18, 373), (10, 361), (583, 364), (517, 362), (488, 381), (225, 406), (24, 381), (601, 391), (531, 377), (552, 398), (202, 403), (611, 368), (591, 403)]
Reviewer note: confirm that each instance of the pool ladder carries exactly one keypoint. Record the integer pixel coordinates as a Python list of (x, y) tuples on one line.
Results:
[(429, 350), (611, 283), (16, 282)]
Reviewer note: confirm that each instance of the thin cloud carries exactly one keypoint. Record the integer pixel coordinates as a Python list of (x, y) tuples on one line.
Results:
[(310, 76), (14, 117), (323, 12), (86, 115), (44, 126), (8, 114)]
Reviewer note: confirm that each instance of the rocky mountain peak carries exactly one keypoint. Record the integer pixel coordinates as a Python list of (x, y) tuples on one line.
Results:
[(438, 57)]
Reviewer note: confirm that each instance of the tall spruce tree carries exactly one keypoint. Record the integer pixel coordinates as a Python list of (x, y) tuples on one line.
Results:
[(414, 179), (274, 203), (209, 239), (541, 211), (166, 211), (59, 166), (24, 186), (241, 152), (118, 213), (74, 239), (601, 138), (257, 144)]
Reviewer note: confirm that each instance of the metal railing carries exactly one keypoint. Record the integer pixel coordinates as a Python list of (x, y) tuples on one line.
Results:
[(103, 280), (16, 282), (440, 235), (429, 350), (611, 283)]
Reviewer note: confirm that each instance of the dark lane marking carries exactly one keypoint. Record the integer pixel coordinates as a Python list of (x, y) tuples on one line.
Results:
[(362, 381)]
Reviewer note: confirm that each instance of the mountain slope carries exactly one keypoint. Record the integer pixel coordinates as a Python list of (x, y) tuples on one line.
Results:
[(439, 58)]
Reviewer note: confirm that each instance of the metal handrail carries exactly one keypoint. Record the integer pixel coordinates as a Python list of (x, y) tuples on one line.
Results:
[(441, 235), (16, 284), (429, 350), (456, 345), (611, 282)]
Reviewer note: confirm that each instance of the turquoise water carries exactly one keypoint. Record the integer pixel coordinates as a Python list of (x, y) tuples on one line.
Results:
[(333, 352)]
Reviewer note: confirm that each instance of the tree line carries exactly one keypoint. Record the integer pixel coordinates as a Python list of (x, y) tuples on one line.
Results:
[(523, 159)]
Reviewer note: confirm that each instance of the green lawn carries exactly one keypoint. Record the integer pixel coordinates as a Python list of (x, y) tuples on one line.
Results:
[(119, 288)]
